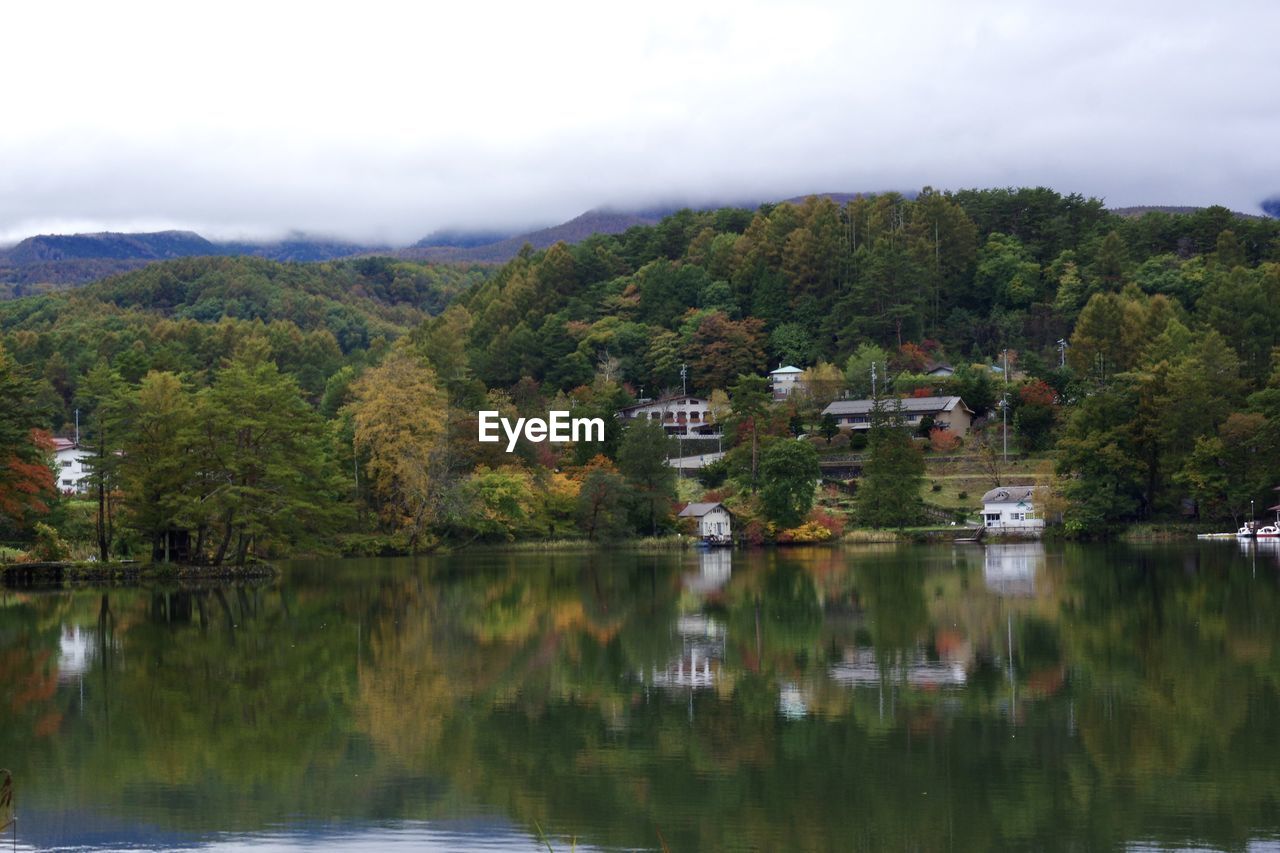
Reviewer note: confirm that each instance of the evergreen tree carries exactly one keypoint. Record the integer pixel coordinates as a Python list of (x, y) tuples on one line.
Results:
[(889, 488), (642, 460), (750, 399), (789, 472), (102, 400), (268, 460), (159, 470)]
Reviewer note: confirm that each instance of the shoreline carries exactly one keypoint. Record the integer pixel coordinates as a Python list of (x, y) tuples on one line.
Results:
[(71, 573)]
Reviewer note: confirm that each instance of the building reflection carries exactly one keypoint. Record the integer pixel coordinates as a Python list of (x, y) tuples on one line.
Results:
[(1009, 569), (861, 667), (702, 644), (715, 567), (75, 652), (702, 637)]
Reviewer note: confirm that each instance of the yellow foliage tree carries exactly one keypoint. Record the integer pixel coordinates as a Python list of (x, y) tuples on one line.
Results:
[(399, 416)]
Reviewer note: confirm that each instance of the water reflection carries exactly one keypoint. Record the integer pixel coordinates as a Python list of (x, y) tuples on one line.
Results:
[(702, 641), (1010, 568), (1013, 696)]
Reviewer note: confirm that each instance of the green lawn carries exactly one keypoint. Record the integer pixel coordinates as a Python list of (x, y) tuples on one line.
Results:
[(966, 474)]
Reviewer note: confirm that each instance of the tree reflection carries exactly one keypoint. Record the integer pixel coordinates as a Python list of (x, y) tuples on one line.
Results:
[(859, 699)]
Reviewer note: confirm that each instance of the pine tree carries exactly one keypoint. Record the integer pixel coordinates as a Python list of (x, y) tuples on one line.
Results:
[(889, 489), (158, 470), (102, 396), (642, 459)]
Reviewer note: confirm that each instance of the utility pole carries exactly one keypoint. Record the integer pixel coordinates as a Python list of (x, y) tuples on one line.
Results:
[(1004, 408), (684, 373), (873, 380), (1062, 352)]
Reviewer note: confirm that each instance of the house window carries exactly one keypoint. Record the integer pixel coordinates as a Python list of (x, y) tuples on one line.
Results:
[(67, 483), (992, 518), (66, 463)]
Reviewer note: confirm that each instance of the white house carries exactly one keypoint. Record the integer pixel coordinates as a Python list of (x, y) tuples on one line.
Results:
[(1012, 509), (785, 381), (69, 469), (714, 522), (947, 412), (681, 415)]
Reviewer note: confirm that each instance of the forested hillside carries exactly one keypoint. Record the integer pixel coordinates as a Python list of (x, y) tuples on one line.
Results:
[(186, 315), (966, 274), (1172, 323), (1142, 354), (52, 260)]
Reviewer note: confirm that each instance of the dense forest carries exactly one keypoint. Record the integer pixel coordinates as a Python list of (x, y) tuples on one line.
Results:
[(1142, 353)]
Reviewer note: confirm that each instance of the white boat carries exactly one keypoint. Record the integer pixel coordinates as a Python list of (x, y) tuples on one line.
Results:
[(1266, 531)]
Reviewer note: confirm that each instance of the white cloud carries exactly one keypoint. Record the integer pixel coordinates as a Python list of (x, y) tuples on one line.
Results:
[(386, 120)]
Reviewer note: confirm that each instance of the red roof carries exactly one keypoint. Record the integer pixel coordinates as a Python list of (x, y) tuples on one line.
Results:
[(60, 444)]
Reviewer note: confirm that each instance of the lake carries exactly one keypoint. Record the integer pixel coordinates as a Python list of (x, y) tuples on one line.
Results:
[(869, 698)]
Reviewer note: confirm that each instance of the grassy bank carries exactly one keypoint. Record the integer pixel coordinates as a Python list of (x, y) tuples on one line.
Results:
[(646, 543), (1170, 531)]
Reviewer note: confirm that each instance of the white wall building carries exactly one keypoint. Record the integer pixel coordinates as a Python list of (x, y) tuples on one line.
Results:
[(69, 469), (682, 415), (1011, 508), (715, 523), (785, 381)]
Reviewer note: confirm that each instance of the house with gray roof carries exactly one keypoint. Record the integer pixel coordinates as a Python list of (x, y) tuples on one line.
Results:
[(947, 412), (714, 522), (1011, 509)]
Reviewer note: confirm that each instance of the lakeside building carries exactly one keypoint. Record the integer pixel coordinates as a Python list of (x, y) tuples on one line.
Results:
[(1011, 509), (785, 381), (70, 472), (715, 523), (679, 415), (947, 412)]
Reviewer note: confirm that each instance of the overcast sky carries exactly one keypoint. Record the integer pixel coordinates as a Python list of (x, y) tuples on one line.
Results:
[(377, 120)]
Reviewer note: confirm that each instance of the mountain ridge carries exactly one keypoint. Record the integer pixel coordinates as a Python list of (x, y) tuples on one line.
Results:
[(61, 260)]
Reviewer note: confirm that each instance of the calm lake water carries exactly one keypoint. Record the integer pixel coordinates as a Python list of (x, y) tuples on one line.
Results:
[(873, 698)]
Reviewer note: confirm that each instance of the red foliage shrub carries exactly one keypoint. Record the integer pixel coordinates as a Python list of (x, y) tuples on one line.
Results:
[(1037, 393), (943, 440)]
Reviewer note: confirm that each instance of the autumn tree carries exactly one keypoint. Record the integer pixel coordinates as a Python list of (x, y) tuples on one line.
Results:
[(26, 480), (720, 349), (399, 418), (602, 502)]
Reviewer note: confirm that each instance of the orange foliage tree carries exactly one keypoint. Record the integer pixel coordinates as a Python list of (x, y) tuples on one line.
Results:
[(26, 479)]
